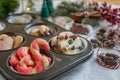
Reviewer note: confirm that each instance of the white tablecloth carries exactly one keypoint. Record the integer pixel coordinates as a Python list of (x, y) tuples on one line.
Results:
[(90, 70)]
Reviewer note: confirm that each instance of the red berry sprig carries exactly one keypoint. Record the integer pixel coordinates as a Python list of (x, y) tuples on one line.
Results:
[(109, 14)]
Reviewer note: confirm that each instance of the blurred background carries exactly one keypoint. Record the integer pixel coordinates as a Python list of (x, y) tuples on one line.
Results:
[(38, 3)]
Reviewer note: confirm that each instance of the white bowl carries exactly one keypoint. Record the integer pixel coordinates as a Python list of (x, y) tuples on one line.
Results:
[(89, 27)]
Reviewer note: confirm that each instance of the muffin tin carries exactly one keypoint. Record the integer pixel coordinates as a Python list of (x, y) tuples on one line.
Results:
[(70, 24), (11, 34), (32, 26), (43, 52), (11, 19), (2, 26), (60, 63)]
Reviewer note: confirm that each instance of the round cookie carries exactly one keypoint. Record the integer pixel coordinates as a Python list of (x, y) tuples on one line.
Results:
[(67, 43)]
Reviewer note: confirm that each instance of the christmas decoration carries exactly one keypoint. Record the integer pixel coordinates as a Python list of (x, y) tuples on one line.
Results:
[(108, 39), (7, 6), (69, 8), (50, 6), (44, 11), (108, 60), (87, 17), (30, 6), (112, 15), (47, 8), (90, 21)]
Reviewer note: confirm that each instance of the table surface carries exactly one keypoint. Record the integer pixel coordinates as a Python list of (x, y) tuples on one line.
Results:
[(90, 70)]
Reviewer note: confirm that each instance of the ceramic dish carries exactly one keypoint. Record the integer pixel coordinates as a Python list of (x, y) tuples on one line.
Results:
[(62, 21), (83, 30)]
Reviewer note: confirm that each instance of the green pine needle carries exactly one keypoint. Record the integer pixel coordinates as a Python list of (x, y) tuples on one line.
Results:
[(7, 6), (67, 8), (60, 12), (93, 22)]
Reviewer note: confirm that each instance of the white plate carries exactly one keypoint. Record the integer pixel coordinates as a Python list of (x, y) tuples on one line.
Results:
[(89, 27), (62, 19)]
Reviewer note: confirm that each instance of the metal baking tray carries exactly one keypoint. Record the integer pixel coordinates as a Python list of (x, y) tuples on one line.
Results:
[(60, 63)]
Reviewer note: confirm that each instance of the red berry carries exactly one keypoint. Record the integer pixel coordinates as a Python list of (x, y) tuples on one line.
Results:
[(66, 36)]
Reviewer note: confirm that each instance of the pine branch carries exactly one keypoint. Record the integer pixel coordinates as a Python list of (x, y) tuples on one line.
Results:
[(60, 12), (7, 6), (85, 9), (67, 8), (93, 22), (79, 5)]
